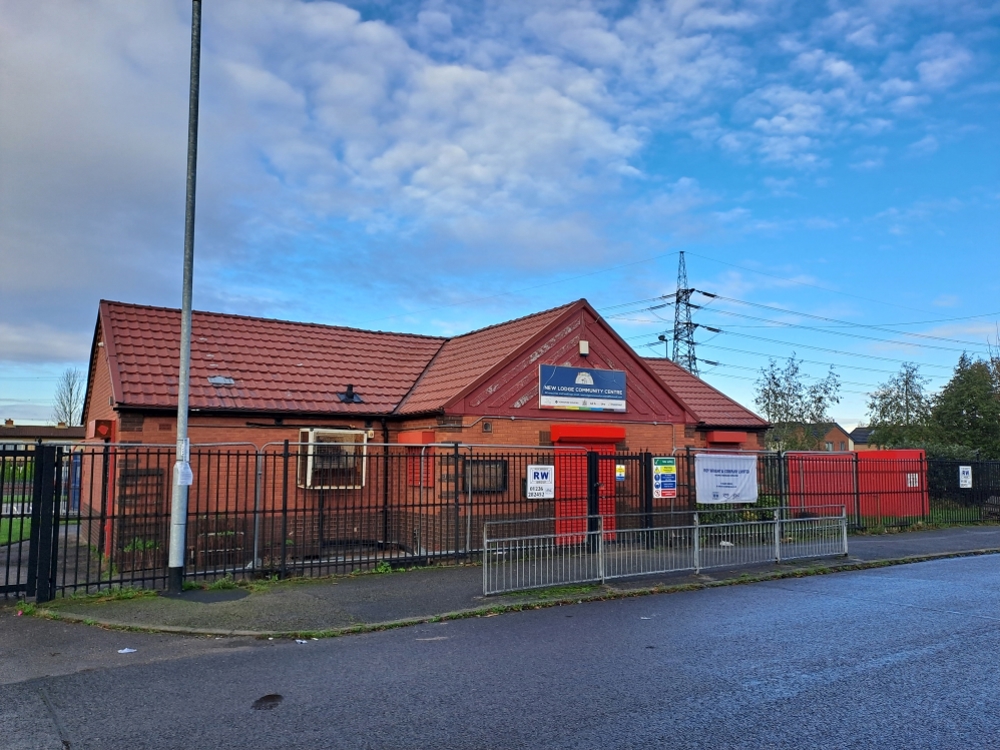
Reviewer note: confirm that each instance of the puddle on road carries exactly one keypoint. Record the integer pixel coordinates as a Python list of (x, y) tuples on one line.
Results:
[(267, 702)]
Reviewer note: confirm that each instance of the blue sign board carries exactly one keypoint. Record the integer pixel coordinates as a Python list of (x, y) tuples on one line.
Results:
[(580, 389)]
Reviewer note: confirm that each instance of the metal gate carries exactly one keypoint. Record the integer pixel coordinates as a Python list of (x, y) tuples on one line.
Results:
[(31, 482)]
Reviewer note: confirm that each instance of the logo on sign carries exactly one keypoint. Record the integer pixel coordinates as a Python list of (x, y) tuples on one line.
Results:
[(540, 482)]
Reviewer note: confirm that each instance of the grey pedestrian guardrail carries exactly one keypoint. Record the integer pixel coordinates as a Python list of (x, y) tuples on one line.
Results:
[(520, 555)]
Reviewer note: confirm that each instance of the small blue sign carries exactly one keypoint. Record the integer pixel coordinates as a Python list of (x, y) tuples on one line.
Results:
[(580, 389)]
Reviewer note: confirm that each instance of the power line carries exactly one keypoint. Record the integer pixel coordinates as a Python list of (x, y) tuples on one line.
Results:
[(822, 348), (786, 324), (754, 380), (848, 323), (808, 361), (757, 370), (839, 365)]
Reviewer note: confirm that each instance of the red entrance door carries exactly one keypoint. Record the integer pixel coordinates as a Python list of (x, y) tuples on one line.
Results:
[(571, 477)]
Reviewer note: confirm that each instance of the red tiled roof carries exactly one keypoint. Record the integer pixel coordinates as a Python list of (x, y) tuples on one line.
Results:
[(281, 366), (709, 406), (464, 359), (275, 365)]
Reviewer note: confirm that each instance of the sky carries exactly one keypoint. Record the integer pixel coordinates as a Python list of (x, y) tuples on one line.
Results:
[(831, 171)]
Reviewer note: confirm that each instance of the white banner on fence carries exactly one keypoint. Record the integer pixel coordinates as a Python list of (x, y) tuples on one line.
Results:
[(725, 478)]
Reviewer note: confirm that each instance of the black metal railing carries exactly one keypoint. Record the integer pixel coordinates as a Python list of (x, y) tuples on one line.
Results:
[(86, 517)]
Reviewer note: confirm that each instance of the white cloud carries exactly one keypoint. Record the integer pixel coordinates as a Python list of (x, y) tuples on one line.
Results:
[(26, 343), (498, 134), (867, 164), (943, 62), (780, 187), (924, 147)]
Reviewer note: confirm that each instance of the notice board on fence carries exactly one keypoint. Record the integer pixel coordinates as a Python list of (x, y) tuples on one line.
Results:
[(725, 478)]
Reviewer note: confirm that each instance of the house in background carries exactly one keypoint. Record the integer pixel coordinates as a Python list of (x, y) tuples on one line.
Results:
[(835, 438), (859, 437), (823, 436), (12, 434)]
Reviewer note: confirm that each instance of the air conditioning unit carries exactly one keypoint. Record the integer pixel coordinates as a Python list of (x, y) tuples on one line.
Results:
[(332, 459)]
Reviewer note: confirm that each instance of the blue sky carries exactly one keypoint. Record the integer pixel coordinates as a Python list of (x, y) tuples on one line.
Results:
[(435, 167)]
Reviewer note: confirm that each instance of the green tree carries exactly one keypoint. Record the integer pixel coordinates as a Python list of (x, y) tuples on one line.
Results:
[(967, 410), (794, 407), (900, 410)]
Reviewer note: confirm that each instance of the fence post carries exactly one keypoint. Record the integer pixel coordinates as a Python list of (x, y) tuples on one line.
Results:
[(468, 511), (777, 535), (600, 547), (593, 494), (843, 528), (258, 482), (36, 508), (782, 480), (386, 501), (857, 494), (284, 510), (104, 539), (458, 503), (923, 490), (486, 558), (697, 544), (43, 514), (647, 490), (692, 491)]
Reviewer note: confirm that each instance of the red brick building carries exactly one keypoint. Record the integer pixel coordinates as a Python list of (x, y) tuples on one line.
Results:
[(366, 414), (260, 381)]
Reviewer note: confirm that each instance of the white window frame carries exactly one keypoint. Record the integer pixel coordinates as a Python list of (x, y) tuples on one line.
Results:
[(308, 438)]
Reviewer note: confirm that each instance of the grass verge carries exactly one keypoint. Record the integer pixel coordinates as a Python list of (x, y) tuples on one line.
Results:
[(14, 530)]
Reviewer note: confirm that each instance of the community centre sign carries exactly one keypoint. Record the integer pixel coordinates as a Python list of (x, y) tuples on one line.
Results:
[(580, 389)]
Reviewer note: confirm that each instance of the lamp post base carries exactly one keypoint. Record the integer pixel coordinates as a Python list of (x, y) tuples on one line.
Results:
[(175, 580)]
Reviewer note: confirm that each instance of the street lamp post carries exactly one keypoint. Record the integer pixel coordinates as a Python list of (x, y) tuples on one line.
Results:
[(182, 477)]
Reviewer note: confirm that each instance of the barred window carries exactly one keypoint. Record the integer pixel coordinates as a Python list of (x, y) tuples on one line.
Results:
[(485, 475), (419, 466), (332, 459)]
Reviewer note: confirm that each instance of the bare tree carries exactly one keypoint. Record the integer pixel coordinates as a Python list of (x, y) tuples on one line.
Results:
[(68, 406)]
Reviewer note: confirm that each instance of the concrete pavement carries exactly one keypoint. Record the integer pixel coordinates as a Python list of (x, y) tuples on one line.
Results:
[(337, 605)]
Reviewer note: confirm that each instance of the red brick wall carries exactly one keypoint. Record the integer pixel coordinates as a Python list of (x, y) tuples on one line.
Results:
[(100, 395)]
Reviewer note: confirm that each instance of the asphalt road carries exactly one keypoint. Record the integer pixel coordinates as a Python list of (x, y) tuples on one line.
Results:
[(902, 657)]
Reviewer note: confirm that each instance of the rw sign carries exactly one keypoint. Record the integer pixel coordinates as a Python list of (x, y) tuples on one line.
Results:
[(541, 482)]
